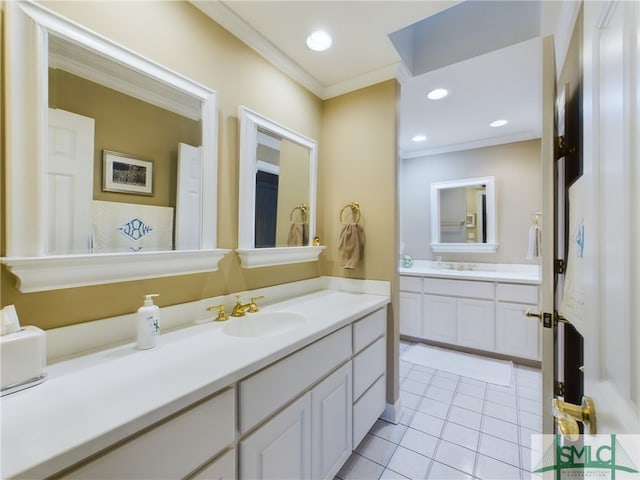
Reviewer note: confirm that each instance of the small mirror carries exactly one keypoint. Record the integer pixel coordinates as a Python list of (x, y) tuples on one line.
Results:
[(463, 215), (276, 193)]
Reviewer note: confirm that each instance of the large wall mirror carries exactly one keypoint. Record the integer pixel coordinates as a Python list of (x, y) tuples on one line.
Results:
[(463, 215), (277, 193), (111, 163)]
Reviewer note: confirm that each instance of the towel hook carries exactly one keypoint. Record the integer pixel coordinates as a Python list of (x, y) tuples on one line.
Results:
[(536, 216), (355, 212)]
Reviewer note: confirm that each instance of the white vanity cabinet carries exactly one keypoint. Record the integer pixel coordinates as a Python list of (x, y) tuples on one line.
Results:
[(517, 334), (281, 448), (485, 315), (411, 306), (296, 409), (319, 421), (459, 312), (303, 416), (171, 449), (369, 367)]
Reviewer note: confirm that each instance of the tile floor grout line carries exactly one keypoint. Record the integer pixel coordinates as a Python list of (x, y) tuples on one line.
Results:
[(520, 384)]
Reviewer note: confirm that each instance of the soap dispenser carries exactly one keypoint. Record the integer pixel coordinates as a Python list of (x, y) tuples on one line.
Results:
[(148, 323)]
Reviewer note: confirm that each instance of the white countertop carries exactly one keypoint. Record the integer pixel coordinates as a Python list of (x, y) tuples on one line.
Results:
[(92, 401), (496, 272)]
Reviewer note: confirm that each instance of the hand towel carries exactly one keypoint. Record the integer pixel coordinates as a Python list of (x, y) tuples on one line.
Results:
[(298, 235), (535, 242), (351, 245)]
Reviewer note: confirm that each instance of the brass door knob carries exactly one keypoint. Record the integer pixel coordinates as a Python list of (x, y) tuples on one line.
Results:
[(531, 314), (568, 415)]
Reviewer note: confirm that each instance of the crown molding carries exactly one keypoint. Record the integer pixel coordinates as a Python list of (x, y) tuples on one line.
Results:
[(230, 21), (484, 142)]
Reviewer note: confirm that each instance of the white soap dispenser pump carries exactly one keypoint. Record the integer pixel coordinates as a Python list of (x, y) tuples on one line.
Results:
[(148, 323)]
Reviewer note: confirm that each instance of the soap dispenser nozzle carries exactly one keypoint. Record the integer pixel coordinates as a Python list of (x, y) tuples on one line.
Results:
[(148, 298)]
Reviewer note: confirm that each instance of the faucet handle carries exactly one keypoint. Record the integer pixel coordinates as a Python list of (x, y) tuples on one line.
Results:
[(222, 315), (253, 308)]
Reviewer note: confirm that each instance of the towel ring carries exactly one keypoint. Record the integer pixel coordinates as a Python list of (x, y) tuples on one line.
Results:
[(355, 212), (303, 213)]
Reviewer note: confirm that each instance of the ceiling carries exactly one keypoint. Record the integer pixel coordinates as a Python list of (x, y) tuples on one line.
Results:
[(486, 53)]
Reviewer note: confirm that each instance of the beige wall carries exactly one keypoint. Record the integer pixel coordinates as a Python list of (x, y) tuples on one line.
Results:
[(516, 167), (358, 162), (293, 187), (180, 37), (135, 127)]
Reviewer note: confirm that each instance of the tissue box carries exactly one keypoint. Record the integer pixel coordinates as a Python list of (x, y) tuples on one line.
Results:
[(23, 359)]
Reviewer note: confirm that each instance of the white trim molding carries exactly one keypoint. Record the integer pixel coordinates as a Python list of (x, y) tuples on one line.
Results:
[(268, 257), (29, 30), (37, 274)]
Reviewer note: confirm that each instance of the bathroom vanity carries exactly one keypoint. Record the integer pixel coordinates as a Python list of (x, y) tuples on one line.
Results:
[(212, 400), (472, 306)]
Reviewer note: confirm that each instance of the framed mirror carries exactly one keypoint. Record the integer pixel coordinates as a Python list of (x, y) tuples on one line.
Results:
[(463, 215), (277, 193), (111, 166)]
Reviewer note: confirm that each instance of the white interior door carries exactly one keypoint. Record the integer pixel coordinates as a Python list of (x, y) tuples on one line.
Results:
[(611, 280), (69, 174), (189, 198)]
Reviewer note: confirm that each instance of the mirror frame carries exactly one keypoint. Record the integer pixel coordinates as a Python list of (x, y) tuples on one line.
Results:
[(492, 222), (250, 256), (27, 28)]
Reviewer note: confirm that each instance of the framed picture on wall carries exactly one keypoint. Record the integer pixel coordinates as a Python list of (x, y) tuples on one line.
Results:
[(470, 220), (126, 174)]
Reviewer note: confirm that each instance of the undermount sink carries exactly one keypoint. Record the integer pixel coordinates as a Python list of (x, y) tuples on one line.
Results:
[(262, 324)]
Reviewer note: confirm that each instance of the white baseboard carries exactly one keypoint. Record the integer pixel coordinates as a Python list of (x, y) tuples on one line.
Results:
[(392, 412)]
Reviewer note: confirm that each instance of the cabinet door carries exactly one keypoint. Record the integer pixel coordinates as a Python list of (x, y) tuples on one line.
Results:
[(281, 448), (439, 318), (476, 324), (516, 334), (411, 314), (331, 410)]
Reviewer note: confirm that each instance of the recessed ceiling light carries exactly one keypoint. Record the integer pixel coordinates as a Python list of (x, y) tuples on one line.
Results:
[(319, 41), (437, 94), (498, 123), (419, 138)]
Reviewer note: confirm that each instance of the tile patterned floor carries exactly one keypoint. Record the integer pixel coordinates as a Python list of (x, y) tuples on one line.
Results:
[(453, 428)]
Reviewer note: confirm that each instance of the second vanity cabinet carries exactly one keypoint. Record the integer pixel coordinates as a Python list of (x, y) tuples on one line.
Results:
[(477, 314)]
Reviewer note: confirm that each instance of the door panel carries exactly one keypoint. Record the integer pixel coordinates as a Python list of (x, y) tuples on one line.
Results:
[(611, 221), (189, 198), (69, 183)]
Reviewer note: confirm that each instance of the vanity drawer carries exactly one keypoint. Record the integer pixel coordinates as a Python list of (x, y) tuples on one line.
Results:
[(224, 468), (410, 284), (512, 292), (266, 391), (172, 449), (369, 328), (367, 410), (369, 365), (459, 288)]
